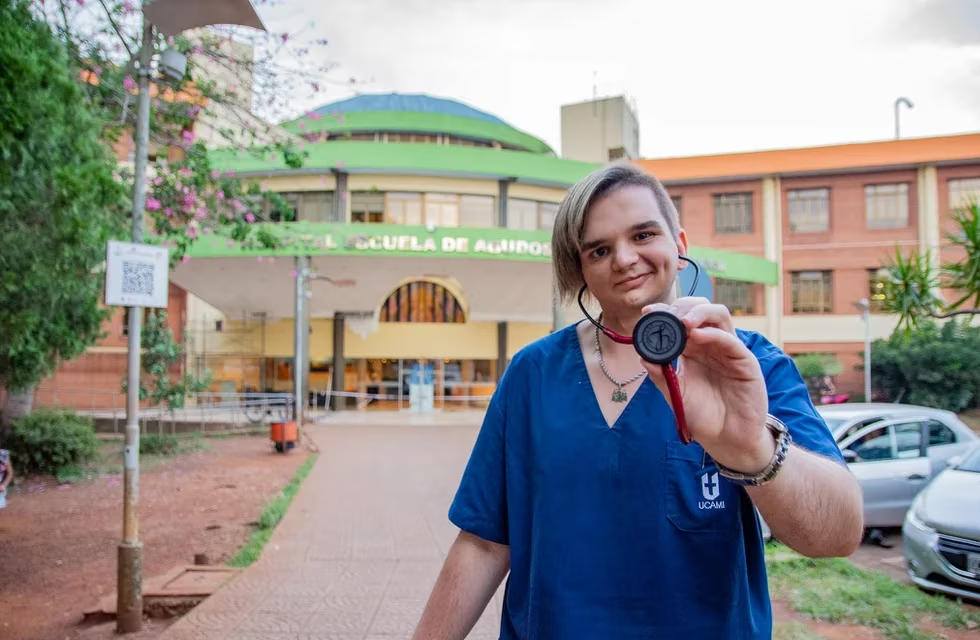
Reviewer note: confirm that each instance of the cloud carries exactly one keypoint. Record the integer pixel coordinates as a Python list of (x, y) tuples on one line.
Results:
[(949, 22)]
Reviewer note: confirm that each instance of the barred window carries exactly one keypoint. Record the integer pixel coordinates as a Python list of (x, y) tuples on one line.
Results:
[(886, 205), (737, 296), (733, 213), (809, 210), (812, 292)]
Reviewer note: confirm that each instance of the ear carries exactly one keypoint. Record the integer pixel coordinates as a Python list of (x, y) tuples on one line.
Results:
[(682, 248)]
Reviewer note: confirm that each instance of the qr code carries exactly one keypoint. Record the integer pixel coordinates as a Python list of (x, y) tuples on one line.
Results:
[(137, 278)]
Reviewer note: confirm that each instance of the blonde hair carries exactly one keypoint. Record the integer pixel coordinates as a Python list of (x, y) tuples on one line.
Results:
[(566, 239)]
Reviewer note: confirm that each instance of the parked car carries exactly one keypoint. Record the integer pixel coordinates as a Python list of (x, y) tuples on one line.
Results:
[(894, 451), (941, 532)]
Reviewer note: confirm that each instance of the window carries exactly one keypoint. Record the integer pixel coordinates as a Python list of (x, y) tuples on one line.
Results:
[(313, 206), (812, 292), (522, 214), (886, 206), (737, 296), (442, 209), (809, 210), (547, 213), (940, 434), (873, 446), (964, 192), (876, 289), (908, 439), (477, 211), (421, 301), (367, 206), (404, 208), (733, 213)]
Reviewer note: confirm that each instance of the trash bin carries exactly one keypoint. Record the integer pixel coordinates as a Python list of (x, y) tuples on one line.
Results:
[(283, 434)]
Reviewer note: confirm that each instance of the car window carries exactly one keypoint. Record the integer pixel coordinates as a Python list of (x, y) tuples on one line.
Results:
[(940, 434), (873, 446), (971, 462), (854, 428), (908, 439)]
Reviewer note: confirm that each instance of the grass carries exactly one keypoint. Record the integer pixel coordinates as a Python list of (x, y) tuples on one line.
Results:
[(836, 591), (271, 516), (793, 631), (154, 449)]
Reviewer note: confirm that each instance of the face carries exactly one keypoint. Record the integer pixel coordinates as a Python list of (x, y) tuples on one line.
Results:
[(629, 256)]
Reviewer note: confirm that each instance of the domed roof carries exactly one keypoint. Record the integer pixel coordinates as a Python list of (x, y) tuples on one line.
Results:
[(407, 102)]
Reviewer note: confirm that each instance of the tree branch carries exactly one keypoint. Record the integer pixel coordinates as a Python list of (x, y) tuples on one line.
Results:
[(115, 27), (958, 312)]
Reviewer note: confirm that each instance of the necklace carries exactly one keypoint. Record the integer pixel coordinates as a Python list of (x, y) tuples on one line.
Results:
[(618, 395)]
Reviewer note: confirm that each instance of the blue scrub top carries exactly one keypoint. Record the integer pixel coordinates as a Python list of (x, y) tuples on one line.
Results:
[(619, 532)]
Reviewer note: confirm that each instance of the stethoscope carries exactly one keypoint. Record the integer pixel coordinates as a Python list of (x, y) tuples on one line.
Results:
[(659, 337)]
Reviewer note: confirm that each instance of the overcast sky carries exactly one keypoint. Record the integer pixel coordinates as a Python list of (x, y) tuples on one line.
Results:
[(706, 76)]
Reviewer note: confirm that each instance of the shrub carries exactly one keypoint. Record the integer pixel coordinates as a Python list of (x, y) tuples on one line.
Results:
[(47, 441)]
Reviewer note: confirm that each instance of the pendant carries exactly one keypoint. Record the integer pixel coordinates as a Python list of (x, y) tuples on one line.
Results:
[(619, 395)]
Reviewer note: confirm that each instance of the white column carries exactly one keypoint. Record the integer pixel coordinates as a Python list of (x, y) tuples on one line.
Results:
[(772, 238), (929, 227)]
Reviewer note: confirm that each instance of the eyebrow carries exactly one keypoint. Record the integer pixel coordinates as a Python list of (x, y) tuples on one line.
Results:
[(640, 226)]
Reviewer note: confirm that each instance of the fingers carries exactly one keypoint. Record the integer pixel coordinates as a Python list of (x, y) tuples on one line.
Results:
[(697, 312)]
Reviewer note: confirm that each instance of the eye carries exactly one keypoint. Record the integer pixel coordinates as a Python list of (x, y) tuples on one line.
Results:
[(599, 252)]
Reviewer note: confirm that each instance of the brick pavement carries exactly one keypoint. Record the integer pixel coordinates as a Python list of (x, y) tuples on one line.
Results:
[(360, 548)]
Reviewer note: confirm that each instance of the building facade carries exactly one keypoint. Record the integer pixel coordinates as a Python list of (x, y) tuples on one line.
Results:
[(831, 217)]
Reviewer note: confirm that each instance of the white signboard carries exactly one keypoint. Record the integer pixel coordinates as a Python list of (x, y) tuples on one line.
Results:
[(136, 275)]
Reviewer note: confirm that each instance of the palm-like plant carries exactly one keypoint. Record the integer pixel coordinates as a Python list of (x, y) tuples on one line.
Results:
[(913, 285)]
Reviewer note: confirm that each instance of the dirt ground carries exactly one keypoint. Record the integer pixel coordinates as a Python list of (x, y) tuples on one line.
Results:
[(58, 543)]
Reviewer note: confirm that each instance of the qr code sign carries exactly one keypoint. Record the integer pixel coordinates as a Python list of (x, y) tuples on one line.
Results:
[(137, 278)]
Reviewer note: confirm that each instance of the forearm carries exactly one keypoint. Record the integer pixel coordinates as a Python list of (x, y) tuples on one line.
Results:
[(470, 576), (814, 506)]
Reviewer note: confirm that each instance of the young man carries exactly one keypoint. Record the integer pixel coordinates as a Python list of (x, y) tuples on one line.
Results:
[(579, 485)]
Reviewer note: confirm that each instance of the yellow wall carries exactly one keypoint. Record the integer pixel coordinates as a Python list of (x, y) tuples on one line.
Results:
[(465, 341), (323, 182), (531, 192), (422, 183)]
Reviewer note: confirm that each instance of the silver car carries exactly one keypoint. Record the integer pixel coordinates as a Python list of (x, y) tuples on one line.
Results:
[(894, 451), (941, 533)]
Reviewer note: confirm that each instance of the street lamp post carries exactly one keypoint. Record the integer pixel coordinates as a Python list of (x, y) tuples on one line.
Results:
[(170, 17), (898, 103), (864, 306)]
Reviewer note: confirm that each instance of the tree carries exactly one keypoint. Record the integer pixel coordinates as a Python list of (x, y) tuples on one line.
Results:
[(237, 81), (813, 367), (60, 202), (914, 284), (160, 353)]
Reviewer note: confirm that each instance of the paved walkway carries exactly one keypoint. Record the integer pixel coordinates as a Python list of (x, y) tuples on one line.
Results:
[(360, 548)]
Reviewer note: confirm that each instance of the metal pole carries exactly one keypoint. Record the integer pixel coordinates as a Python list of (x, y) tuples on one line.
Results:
[(898, 103), (129, 603), (867, 353), (299, 337)]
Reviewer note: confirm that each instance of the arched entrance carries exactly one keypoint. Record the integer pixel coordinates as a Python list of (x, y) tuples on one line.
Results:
[(432, 382)]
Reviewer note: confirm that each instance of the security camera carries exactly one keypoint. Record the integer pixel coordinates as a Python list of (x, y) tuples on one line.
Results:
[(173, 64)]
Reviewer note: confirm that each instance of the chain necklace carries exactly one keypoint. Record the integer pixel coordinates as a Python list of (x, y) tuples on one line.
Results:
[(618, 395)]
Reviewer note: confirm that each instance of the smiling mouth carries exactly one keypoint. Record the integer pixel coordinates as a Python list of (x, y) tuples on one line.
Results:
[(631, 281)]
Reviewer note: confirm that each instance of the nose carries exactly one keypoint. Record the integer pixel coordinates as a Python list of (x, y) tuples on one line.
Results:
[(624, 256)]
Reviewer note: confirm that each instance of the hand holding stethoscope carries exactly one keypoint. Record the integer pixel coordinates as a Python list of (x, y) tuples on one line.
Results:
[(710, 379)]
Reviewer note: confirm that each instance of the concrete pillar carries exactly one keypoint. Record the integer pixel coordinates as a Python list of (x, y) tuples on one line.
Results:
[(501, 349), (772, 237), (929, 219), (341, 198), (300, 340), (503, 191), (339, 363)]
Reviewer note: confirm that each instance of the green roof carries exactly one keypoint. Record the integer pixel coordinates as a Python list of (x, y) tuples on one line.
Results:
[(411, 121), (411, 158)]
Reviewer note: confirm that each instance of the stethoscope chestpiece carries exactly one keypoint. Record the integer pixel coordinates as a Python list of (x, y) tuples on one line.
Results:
[(659, 337)]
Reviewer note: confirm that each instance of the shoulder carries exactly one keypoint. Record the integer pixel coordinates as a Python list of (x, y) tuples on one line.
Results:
[(546, 359)]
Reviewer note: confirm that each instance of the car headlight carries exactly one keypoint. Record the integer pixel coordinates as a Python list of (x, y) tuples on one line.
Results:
[(914, 519)]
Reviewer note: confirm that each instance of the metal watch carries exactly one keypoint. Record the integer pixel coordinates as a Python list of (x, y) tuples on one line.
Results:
[(783, 442)]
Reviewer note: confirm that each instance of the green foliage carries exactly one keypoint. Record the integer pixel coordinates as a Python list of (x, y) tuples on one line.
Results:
[(159, 444), (814, 366), (59, 204), (913, 282), (160, 354), (933, 365), (51, 441)]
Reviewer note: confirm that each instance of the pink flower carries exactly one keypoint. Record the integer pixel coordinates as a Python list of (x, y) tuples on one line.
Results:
[(168, 212), (185, 259), (249, 217), (152, 204), (188, 136), (129, 83), (260, 258), (215, 174), (158, 181)]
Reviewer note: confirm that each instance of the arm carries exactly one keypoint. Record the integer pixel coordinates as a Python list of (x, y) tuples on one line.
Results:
[(814, 505), (470, 576), (7, 476)]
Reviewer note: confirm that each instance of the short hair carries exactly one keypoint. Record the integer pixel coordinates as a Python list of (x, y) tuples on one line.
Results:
[(566, 238)]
